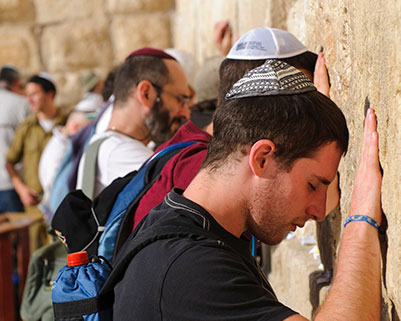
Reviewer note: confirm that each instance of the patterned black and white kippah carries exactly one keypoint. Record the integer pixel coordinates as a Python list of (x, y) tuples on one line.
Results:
[(274, 77)]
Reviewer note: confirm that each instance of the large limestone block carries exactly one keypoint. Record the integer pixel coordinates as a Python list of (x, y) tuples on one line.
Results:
[(16, 11), (137, 6), (76, 45), (131, 33), (62, 10), (20, 48)]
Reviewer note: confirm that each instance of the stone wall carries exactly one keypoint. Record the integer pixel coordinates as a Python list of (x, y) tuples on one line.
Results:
[(360, 40), (69, 37)]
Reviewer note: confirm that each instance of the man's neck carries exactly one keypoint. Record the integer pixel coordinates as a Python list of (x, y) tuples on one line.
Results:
[(50, 112), (221, 196), (123, 122)]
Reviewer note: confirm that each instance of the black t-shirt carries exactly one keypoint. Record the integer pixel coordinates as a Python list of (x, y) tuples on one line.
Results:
[(183, 279)]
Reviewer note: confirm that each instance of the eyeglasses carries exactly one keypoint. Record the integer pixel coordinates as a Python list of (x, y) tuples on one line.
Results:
[(183, 100)]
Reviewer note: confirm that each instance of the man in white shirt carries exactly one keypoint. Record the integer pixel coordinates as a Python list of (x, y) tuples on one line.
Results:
[(151, 97), (13, 108)]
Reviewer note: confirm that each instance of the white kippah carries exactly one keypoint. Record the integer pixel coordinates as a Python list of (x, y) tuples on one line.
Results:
[(266, 43), (274, 77), (46, 76)]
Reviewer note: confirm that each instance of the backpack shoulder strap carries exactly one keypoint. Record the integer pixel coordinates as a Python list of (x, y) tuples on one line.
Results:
[(138, 241), (90, 166), (146, 176)]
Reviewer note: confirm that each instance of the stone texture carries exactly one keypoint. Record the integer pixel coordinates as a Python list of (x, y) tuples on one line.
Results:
[(16, 11), (76, 45), (194, 23), (69, 91), (62, 10), (291, 265), (131, 33), (278, 13), (252, 14), (19, 47), (137, 6)]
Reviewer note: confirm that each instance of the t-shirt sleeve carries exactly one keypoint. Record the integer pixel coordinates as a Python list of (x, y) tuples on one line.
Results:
[(15, 152), (121, 159), (217, 285)]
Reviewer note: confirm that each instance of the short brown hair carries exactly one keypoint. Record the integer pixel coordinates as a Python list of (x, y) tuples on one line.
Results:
[(134, 70), (297, 124)]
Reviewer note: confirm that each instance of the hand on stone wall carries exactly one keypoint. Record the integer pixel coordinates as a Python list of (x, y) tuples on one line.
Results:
[(320, 76), (222, 35), (367, 186)]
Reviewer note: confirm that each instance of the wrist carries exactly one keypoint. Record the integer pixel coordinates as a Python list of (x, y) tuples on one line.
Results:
[(361, 218)]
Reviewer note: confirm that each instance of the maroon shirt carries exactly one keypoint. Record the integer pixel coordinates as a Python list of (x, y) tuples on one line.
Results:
[(179, 170)]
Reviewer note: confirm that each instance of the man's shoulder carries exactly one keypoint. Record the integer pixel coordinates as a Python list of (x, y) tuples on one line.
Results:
[(30, 121), (62, 116), (118, 143), (16, 100)]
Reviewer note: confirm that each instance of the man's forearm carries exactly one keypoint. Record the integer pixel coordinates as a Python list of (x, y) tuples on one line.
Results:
[(14, 176), (356, 290)]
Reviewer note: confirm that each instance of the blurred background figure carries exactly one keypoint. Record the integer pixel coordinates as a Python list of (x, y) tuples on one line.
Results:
[(53, 154), (188, 63), (223, 36), (13, 110), (93, 99), (29, 141), (206, 86)]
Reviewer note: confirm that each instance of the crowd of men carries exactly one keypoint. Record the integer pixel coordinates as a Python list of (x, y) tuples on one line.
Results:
[(262, 166)]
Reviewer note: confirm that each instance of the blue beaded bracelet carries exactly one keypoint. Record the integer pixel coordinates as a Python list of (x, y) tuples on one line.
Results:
[(364, 218)]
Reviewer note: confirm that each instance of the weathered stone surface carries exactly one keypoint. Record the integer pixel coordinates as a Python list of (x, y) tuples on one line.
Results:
[(194, 22), (69, 86), (19, 47), (131, 33), (76, 45), (16, 11), (291, 264), (252, 14), (69, 91), (278, 12), (138, 6), (62, 10)]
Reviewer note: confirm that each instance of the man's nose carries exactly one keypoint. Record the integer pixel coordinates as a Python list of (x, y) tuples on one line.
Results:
[(184, 111), (317, 210)]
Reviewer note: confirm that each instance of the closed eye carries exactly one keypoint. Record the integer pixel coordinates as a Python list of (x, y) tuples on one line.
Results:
[(312, 187)]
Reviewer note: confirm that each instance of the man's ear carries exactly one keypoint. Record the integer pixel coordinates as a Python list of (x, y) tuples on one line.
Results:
[(146, 93), (260, 156)]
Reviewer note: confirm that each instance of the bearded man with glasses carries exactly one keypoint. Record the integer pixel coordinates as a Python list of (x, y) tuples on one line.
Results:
[(151, 97)]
